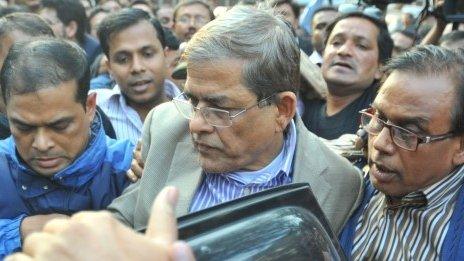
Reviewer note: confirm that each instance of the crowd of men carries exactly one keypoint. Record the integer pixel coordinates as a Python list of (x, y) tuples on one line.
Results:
[(154, 112)]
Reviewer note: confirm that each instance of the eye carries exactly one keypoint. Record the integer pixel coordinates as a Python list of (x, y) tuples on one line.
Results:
[(148, 53), (23, 127), (61, 126), (121, 59)]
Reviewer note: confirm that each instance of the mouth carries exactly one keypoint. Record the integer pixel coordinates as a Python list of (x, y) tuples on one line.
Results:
[(140, 86), (203, 147), (342, 64), (382, 173), (48, 162)]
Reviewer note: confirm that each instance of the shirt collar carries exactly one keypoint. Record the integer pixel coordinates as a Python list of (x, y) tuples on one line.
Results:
[(281, 163)]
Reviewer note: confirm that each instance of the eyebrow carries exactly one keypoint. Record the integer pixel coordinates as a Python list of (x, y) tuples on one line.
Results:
[(52, 123), (418, 121), (215, 99)]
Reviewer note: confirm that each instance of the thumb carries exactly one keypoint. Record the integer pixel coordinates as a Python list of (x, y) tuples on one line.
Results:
[(162, 224)]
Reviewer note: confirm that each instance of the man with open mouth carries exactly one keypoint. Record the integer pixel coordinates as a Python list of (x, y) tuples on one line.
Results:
[(356, 47), (138, 67)]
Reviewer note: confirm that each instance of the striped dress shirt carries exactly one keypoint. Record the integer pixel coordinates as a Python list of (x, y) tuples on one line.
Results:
[(386, 232), (125, 120), (218, 188)]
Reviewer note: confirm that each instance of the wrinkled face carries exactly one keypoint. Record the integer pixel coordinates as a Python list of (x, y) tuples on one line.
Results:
[(287, 12), (351, 57), (320, 22), (252, 141), (49, 15), (401, 43), (95, 21), (189, 19), (50, 128), (137, 66), (164, 15), (396, 171)]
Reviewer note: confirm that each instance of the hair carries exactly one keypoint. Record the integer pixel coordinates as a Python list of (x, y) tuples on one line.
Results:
[(324, 8), (26, 23), (96, 10), (189, 3), (13, 9), (121, 20), (452, 37), (44, 63), (171, 41), (293, 5), (68, 11), (260, 38), (434, 61), (384, 41)]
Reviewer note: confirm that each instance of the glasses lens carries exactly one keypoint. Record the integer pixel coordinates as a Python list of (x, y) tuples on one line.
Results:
[(184, 107), (404, 139), (371, 124), (216, 117)]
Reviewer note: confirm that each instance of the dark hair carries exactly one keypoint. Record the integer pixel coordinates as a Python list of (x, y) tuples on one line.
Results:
[(452, 37), (121, 20), (44, 63), (13, 9), (192, 2), (384, 41), (293, 5), (434, 61), (324, 8), (171, 40), (68, 11), (27, 23), (97, 10)]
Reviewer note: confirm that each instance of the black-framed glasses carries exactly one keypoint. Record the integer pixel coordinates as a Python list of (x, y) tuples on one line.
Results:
[(213, 116), (402, 137)]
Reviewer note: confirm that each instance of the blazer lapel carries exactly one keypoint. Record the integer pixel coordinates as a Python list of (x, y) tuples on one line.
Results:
[(185, 174)]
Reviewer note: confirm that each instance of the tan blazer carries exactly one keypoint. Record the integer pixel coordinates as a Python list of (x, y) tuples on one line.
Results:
[(170, 159)]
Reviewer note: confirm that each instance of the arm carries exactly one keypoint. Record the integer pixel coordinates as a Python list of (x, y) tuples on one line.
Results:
[(10, 235), (98, 236)]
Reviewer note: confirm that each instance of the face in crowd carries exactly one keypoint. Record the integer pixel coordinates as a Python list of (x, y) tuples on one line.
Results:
[(138, 66), (50, 127), (351, 57), (286, 11), (189, 19), (254, 136), (320, 22), (397, 171)]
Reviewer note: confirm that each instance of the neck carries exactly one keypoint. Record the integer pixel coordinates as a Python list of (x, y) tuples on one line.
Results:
[(143, 109), (337, 103)]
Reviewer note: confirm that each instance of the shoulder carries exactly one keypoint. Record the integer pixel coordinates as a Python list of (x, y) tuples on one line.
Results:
[(106, 96)]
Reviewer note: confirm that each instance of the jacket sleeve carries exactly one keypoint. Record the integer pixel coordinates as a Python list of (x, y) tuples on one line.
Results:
[(10, 235)]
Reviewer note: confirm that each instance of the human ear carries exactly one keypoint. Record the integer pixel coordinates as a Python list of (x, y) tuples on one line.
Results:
[(458, 157), (91, 106), (286, 107), (71, 30)]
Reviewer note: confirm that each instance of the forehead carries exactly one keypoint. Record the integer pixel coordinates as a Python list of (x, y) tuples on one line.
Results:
[(193, 10), (223, 77), (405, 93), (324, 16), (356, 27), (45, 104), (143, 31)]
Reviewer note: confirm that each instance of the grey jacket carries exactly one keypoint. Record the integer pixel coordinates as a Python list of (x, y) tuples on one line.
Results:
[(170, 159)]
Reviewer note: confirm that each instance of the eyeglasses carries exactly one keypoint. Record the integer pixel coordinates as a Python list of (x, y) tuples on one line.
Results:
[(197, 20), (402, 137), (371, 11), (213, 116)]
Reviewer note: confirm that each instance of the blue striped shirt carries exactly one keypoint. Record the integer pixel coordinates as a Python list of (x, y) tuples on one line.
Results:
[(125, 120), (218, 188)]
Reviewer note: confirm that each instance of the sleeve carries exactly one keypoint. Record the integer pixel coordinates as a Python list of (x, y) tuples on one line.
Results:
[(123, 207), (10, 235)]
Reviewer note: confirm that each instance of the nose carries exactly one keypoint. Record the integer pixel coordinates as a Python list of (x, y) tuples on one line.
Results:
[(383, 141), (346, 48), (42, 141), (198, 124), (138, 65)]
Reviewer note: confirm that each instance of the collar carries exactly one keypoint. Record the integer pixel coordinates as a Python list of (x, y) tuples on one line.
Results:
[(281, 163), (75, 175), (432, 195)]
